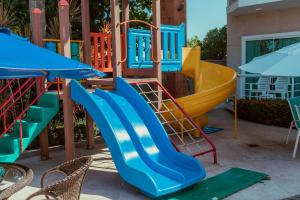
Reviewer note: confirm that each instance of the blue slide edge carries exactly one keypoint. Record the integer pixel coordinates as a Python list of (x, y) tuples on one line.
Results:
[(80, 95)]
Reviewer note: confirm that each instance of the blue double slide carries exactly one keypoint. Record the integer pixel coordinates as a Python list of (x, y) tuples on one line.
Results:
[(139, 145)]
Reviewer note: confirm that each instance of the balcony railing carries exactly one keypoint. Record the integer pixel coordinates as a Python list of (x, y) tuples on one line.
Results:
[(255, 86)]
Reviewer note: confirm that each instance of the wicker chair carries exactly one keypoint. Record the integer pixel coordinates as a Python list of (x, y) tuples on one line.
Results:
[(68, 188)]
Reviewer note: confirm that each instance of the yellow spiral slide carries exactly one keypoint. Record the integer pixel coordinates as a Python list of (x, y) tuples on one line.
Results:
[(213, 85)]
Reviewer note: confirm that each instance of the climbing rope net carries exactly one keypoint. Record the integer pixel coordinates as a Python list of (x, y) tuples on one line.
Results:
[(185, 135)]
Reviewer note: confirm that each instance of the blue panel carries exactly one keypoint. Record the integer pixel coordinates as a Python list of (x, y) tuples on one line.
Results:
[(147, 49), (173, 39), (165, 45), (139, 145), (131, 48), (140, 49), (75, 51), (172, 45)]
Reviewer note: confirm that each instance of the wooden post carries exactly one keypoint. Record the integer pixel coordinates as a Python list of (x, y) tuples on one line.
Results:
[(157, 47), (85, 15), (125, 10), (156, 38), (90, 141), (125, 17), (64, 24), (44, 143), (116, 42), (37, 35)]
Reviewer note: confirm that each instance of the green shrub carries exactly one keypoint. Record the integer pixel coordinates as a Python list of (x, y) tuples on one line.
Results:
[(270, 112)]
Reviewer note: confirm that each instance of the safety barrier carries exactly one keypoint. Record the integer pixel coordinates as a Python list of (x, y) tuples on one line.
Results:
[(139, 44), (18, 102), (139, 52), (76, 48), (255, 86)]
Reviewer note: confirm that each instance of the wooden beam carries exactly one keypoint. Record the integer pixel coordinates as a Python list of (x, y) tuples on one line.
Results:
[(90, 141), (85, 19), (116, 39), (125, 10), (143, 72), (37, 36), (44, 143), (125, 17), (100, 82), (64, 24), (85, 15), (156, 39)]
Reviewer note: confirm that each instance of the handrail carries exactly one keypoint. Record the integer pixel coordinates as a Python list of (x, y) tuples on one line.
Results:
[(20, 116), (20, 96), (138, 21), (15, 93), (24, 111), (155, 60), (58, 40), (125, 44), (7, 85)]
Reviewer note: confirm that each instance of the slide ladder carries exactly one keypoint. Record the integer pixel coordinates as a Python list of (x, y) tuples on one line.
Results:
[(178, 124), (139, 145), (29, 119)]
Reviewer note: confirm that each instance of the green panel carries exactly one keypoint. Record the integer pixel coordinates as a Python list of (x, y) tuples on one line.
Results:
[(220, 186), (75, 51), (38, 117), (252, 50)]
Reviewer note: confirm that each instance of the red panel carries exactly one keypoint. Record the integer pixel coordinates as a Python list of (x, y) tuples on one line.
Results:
[(103, 59), (102, 52), (109, 66)]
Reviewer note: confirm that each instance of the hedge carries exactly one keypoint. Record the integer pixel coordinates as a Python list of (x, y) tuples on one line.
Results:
[(270, 112)]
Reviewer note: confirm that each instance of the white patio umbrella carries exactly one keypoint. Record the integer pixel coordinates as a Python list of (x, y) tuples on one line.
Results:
[(284, 62)]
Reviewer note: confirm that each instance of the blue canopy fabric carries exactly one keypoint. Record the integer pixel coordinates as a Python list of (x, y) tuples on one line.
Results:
[(21, 59), (284, 62)]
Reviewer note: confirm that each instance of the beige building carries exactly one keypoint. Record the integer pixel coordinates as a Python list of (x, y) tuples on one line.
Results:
[(257, 27)]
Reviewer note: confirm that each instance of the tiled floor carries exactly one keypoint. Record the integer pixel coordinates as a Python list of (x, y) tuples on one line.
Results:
[(271, 156)]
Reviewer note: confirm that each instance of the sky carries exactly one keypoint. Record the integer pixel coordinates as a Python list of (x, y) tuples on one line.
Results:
[(204, 15)]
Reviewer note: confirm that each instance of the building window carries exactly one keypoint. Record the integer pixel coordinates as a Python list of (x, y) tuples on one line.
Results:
[(258, 47)]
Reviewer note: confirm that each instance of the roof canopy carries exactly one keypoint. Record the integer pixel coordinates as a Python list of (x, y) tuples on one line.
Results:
[(21, 59), (284, 62)]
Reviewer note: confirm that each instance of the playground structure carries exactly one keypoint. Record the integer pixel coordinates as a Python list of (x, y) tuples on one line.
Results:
[(141, 150)]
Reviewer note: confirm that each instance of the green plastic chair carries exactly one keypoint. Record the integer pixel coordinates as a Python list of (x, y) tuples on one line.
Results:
[(294, 104)]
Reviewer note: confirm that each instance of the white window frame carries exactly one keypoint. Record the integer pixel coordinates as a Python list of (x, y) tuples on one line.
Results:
[(247, 38), (264, 37)]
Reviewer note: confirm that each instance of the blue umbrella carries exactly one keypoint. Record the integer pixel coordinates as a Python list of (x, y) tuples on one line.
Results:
[(284, 62), (21, 59)]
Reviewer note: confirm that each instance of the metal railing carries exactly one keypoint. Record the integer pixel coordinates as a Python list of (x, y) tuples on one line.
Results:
[(23, 94), (250, 87)]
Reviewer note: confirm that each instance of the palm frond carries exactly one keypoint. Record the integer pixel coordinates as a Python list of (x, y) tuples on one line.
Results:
[(8, 16)]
